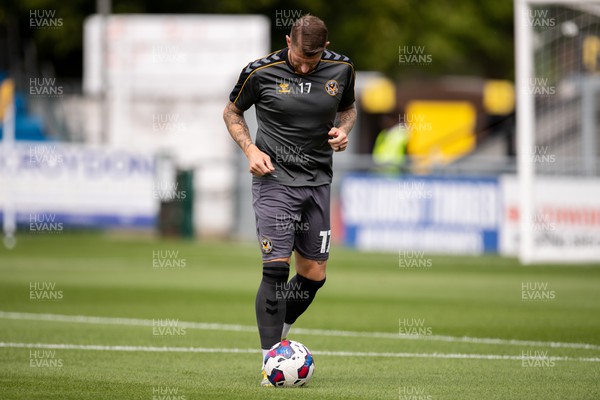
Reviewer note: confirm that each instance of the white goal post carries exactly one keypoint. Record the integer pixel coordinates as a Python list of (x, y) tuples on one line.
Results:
[(557, 51)]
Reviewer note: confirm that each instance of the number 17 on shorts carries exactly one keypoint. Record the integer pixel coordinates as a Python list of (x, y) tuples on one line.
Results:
[(326, 240)]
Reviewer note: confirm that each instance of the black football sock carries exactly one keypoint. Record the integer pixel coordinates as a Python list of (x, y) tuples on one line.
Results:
[(270, 304), (301, 292)]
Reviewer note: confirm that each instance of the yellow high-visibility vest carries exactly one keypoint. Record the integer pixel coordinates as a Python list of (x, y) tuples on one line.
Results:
[(390, 146)]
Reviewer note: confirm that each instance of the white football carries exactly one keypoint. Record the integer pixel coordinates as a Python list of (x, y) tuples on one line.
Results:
[(289, 364)]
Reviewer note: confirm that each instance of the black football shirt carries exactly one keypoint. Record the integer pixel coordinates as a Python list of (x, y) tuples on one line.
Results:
[(295, 112)]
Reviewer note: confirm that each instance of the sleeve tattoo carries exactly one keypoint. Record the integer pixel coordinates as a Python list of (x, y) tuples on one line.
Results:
[(237, 127), (345, 119)]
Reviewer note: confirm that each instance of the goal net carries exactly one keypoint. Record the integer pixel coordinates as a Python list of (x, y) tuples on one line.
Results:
[(558, 128)]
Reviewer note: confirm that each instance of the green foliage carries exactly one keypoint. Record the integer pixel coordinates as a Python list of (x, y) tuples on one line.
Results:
[(466, 37)]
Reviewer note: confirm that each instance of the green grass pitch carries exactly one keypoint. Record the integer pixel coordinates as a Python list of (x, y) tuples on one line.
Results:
[(125, 348)]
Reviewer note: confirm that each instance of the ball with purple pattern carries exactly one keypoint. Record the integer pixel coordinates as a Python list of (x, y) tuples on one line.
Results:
[(289, 364)]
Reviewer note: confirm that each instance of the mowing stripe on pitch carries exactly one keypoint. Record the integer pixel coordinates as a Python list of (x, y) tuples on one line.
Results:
[(153, 349), (297, 331)]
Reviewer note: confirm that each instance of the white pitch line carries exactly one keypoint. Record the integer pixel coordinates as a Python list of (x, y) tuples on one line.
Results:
[(154, 349), (301, 331)]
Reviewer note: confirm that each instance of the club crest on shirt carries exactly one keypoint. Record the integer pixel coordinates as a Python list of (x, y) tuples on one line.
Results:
[(266, 245), (332, 87)]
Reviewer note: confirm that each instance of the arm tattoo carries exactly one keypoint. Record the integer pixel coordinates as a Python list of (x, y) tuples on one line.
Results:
[(237, 127), (345, 119)]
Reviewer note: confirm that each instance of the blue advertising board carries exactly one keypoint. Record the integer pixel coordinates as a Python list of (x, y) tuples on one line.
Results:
[(458, 215)]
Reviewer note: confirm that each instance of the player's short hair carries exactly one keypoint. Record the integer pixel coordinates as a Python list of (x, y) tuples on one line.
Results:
[(313, 32)]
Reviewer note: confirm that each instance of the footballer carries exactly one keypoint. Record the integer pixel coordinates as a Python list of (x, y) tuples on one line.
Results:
[(304, 101)]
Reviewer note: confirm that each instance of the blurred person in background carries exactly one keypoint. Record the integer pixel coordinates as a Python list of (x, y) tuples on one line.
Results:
[(390, 148)]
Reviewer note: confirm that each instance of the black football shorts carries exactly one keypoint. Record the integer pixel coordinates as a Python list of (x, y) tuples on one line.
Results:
[(292, 218)]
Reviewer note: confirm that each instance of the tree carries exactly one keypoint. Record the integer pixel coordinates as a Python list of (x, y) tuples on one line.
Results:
[(460, 37)]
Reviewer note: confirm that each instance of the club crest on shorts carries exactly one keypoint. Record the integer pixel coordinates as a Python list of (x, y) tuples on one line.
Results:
[(266, 245), (332, 87)]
